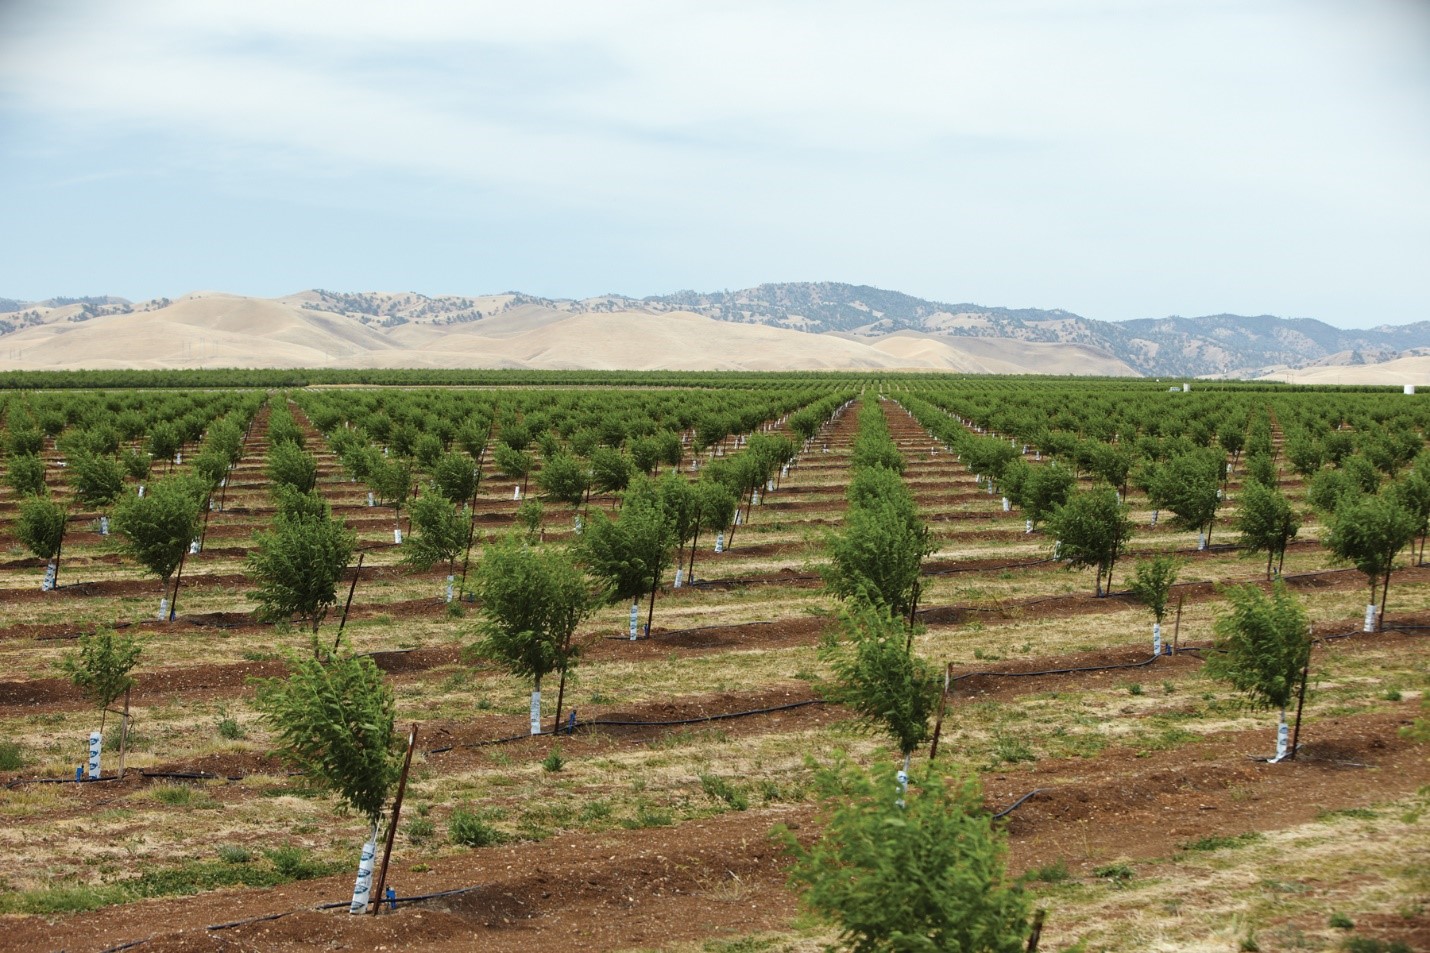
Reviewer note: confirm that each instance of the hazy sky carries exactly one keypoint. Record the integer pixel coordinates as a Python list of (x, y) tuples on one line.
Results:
[(1118, 158)]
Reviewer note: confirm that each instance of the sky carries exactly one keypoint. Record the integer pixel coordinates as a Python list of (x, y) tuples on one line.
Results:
[(1116, 158)]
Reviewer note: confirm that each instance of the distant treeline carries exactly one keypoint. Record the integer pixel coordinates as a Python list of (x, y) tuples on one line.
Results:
[(397, 377)]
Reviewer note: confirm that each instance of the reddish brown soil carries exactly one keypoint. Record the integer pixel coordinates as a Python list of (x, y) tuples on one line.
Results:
[(723, 876)]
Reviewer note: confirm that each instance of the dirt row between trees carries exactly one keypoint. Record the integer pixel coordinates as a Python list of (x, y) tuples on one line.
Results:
[(724, 875)]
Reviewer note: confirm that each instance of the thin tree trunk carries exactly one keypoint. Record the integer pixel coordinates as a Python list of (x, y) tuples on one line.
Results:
[(694, 544)]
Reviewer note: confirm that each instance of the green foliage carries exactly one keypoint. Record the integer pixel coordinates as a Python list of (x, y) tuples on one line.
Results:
[(298, 505), (1305, 453), (629, 555), (611, 470), (41, 526), (719, 789), (1187, 485), (1328, 488), (1092, 529), (1369, 532), (137, 466), (516, 464), (291, 466), (927, 876), (879, 679), (873, 446), (531, 601), (1265, 523), (472, 830), (1152, 582), (439, 532), (1262, 644), (455, 477), (97, 480), (100, 664), (164, 441), (156, 528), (529, 515), (714, 503), (553, 762), (333, 716), (564, 479), (879, 554), (390, 479), (25, 474), (1260, 470), (210, 466), (1044, 489), (11, 757), (298, 562)]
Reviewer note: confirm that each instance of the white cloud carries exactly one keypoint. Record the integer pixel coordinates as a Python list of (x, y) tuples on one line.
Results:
[(1100, 122)]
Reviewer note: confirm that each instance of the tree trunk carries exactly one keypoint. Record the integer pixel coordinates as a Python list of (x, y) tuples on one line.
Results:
[(124, 734)]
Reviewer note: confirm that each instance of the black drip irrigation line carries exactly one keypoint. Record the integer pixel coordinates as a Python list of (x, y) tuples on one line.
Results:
[(268, 917), (597, 723), (698, 628), (127, 946), (1061, 671), (1018, 803)]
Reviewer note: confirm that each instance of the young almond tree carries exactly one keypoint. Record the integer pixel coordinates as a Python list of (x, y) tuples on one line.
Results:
[(1266, 524), (25, 474), (41, 527), (157, 528), (629, 555), (299, 560), (1262, 648), (881, 680), (97, 479), (439, 532), (290, 465), (1152, 583), (1370, 531), (333, 715), (714, 508), (924, 873), (99, 667), (878, 555), (1092, 529), (532, 600), (392, 481), (1189, 486)]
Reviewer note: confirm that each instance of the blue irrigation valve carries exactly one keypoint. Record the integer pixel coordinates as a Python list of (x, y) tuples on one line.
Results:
[(391, 899)]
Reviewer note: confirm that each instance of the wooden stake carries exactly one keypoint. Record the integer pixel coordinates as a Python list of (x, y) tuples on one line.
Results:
[(178, 578), (1177, 626), (1037, 934), (1300, 704), (348, 605), (123, 734), (377, 895), (942, 704)]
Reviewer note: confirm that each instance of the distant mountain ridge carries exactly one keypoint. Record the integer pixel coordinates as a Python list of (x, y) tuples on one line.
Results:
[(1222, 344), (1213, 345)]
